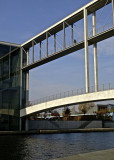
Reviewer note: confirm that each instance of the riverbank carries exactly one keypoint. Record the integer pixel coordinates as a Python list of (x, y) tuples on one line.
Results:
[(57, 131), (100, 155)]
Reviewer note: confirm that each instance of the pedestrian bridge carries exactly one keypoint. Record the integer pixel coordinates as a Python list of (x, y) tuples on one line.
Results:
[(66, 101)]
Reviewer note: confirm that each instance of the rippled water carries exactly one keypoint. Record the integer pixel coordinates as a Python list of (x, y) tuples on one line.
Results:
[(50, 146)]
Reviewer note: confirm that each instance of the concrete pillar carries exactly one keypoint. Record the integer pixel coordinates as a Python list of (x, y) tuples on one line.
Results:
[(27, 82), (113, 10), (95, 54), (86, 50), (55, 43), (47, 44), (64, 43), (40, 50), (27, 57), (72, 35), (33, 51), (21, 59), (27, 88)]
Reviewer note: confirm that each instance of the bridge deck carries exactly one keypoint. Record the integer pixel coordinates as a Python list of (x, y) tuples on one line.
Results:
[(97, 38), (89, 97), (72, 18)]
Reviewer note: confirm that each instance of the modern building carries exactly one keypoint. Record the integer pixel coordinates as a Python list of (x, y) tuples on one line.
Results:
[(9, 86)]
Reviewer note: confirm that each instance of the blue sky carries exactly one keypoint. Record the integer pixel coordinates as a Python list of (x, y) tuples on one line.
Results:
[(23, 19)]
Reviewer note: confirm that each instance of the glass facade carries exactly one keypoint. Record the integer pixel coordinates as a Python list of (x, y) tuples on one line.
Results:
[(9, 87)]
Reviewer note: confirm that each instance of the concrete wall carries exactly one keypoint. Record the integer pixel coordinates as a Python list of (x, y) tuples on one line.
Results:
[(108, 124), (56, 125)]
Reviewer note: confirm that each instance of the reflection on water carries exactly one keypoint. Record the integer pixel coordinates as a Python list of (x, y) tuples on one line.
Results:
[(50, 146)]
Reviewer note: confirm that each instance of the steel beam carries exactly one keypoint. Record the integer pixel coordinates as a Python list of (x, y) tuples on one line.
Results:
[(95, 54), (86, 51)]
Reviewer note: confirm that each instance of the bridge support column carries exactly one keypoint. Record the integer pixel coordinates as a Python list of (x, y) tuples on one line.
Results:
[(47, 44), (95, 54), (27, 88), (33, 51), (113, 10), (27, 81), (72, 35), (21, 57), (55, 43), (64, 44), (40, 50), (21, 60), (86, 50)]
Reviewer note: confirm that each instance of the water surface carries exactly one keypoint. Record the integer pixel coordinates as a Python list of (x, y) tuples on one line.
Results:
[(50, 146)]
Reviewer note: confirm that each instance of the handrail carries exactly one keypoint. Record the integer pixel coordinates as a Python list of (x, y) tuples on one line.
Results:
[(103, 87)]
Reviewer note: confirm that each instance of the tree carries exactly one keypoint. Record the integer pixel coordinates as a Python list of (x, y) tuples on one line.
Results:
[(84, 107), (67, 112)]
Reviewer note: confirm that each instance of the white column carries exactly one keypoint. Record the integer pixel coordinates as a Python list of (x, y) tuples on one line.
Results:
[(95, 54), (113, 10), (64, 44), (27, 81), (33, 51), (27, 57), (21, 59), (86, 51), (72, 35), (47, 44)]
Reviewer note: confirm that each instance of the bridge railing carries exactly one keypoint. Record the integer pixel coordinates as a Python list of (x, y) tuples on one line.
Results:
[(77, 40), (101, 29), (103, 87)]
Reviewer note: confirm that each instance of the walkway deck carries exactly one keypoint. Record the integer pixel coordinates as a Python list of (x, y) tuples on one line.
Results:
[(98, 155)]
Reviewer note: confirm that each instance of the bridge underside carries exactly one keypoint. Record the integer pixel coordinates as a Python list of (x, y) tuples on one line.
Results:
[(89, 97)]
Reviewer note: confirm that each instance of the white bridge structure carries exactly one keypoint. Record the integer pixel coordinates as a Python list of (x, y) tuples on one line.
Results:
[(29, 61), (72, 100)]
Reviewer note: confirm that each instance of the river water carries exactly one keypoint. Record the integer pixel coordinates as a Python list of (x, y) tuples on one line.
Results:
[(50, 146)]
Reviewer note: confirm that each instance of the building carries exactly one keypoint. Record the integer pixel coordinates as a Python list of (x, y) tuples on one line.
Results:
[(9, 86)]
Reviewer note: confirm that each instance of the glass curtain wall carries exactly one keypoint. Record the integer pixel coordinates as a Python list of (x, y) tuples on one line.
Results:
[(9, 87)]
